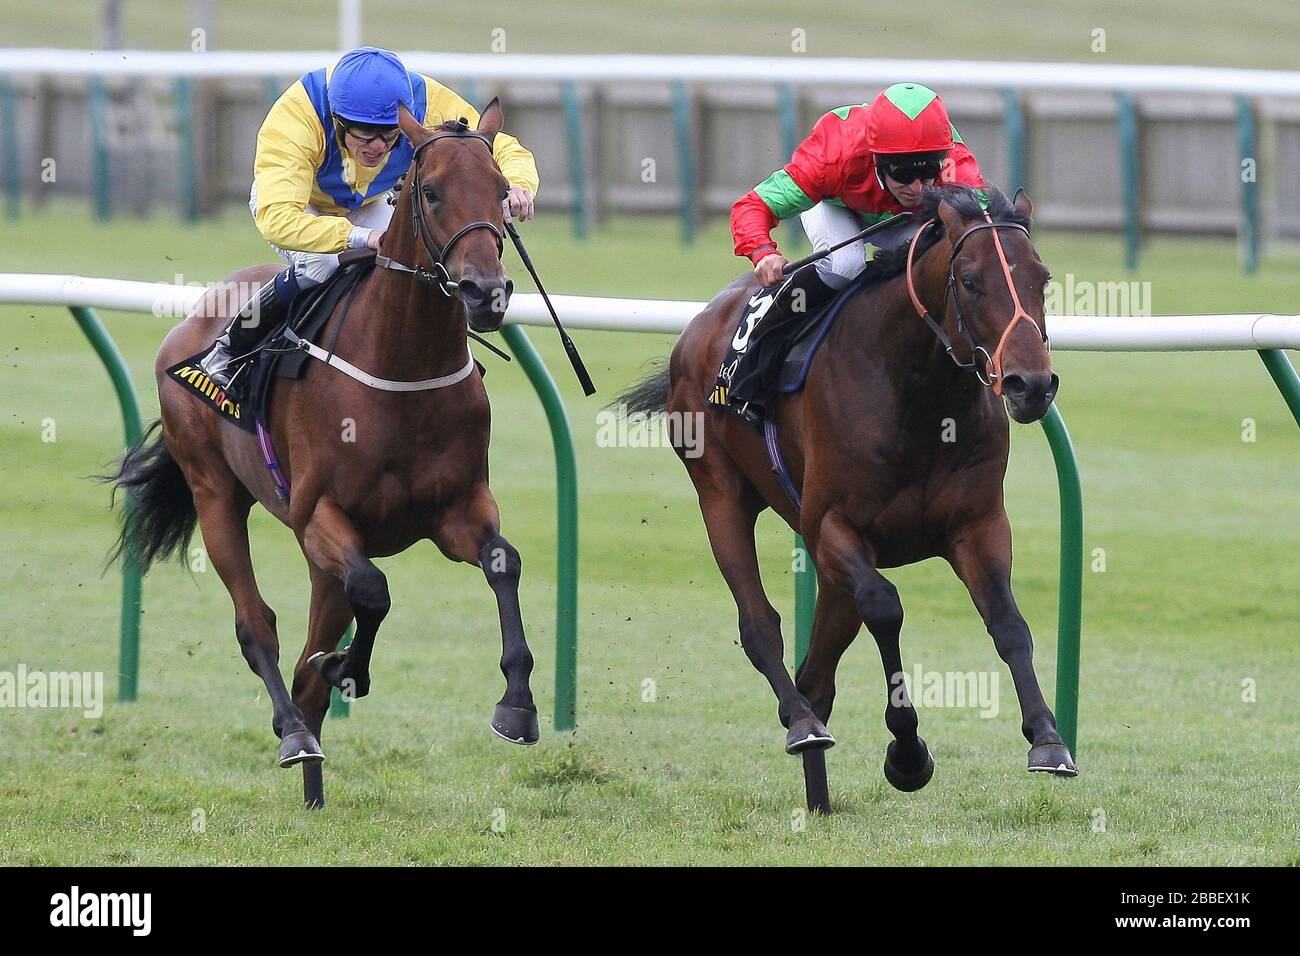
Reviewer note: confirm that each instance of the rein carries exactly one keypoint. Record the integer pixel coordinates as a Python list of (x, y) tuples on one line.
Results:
[(437, 255), (989, 372)]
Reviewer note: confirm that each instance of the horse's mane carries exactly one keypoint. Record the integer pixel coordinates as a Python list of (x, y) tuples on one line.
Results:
[(966, 202), (453, 126)]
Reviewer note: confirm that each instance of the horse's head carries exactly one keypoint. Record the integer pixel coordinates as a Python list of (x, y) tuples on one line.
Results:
[(995, 295), (456, 192)]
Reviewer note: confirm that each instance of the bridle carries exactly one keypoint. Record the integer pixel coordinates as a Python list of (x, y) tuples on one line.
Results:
[(989, 371), (438, 275)]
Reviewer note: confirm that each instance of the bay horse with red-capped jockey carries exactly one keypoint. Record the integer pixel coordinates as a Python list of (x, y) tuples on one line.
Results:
[(895, 451), (416, 469)]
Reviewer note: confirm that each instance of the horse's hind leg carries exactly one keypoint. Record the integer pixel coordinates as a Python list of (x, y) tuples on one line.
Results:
[(328, 620), (333, 544), (844, 559), (471, 534), (730, 524), (981, 556), (223, 519)]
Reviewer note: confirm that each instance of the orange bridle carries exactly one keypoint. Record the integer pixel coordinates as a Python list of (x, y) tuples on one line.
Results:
[(990, 370)]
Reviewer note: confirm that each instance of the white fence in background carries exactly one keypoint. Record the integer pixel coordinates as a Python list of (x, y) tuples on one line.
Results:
[(948, 74), (1168, 333)]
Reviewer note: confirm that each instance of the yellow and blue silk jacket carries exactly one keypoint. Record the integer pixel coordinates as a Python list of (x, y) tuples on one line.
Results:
[(301, 161)]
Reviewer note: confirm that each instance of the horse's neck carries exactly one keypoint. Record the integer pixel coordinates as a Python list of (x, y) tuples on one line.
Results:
[(406, 329), (918, 367)]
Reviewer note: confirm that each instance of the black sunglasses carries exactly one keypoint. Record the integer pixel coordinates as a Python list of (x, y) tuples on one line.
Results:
[(911, 172)]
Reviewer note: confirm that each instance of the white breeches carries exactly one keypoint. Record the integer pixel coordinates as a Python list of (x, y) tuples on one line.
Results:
[(313, 268), (826, 224)]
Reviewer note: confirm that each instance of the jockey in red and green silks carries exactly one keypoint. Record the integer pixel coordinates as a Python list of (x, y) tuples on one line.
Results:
[(859, 166)]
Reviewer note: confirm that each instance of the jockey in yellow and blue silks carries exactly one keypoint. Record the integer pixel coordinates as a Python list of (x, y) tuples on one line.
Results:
[(328, 156)]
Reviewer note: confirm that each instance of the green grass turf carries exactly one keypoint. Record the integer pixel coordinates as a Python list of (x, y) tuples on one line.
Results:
[(1199, 529), (1197, 32)]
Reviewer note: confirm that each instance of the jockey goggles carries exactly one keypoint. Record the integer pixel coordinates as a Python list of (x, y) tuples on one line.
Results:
[(368, 134), (908, 172)]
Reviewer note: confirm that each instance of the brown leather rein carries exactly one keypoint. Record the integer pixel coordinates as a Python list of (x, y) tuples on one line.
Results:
[(989, 371)]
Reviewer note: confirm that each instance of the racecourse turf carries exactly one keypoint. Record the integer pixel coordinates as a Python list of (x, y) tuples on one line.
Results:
[(1190, 700)]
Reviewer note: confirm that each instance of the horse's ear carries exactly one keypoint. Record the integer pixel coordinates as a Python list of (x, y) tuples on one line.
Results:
[(1024, 205), (411, 126), (952, 221), (493, 118)]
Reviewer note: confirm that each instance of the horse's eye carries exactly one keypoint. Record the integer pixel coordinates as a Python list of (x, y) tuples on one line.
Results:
[(430, 195), (968, 284)]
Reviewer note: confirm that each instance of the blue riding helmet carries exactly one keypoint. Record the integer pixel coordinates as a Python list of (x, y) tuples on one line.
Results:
[(367, 85)]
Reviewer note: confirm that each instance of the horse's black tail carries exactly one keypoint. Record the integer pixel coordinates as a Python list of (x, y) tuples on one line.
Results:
[(648, 395), (159, 517)]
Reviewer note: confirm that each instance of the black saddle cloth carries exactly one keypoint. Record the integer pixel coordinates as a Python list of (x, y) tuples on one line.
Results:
[(776, 359), (249, 396)]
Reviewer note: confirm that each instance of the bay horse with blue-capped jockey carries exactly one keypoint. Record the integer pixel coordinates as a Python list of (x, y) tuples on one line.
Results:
[(413, 465)]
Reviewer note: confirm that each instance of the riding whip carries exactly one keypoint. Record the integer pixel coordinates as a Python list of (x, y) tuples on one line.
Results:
[(575, 359), (876, 227)]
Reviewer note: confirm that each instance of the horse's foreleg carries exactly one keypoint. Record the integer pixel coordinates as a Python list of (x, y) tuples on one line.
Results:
[(981, 556), (844, 558), (730, 526), (225, 535), (471, 534), (328, 619), (334, 545)]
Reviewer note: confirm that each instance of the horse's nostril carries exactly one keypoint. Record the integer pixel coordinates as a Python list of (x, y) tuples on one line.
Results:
[(471, 291), (1014, 385)]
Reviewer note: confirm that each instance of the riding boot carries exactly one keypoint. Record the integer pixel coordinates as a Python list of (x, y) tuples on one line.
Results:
[(800, 297), (261, 315)]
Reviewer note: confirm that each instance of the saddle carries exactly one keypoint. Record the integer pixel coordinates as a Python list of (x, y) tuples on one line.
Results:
[(246, 402), (776, 362), (772, 362)]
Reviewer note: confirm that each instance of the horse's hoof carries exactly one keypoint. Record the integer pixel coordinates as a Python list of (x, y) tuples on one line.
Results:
[(907, 777), (808, 733), (298, 747), (331, 666), (1052, 758), (515, 724)]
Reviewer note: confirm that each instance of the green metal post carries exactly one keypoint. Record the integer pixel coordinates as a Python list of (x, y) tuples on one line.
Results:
[(1284, 376), (805, 600), (685, 159), (340, 706), (577, 158), (1248, 145), (9, 159), (102, 180), (128, 677), (271, 91), (1014, 121), (566, 556), (1070, 604), (189, 176), (1130, 173), (788, 108)]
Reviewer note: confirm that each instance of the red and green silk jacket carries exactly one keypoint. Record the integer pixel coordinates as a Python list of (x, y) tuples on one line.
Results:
[(832, 164)]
